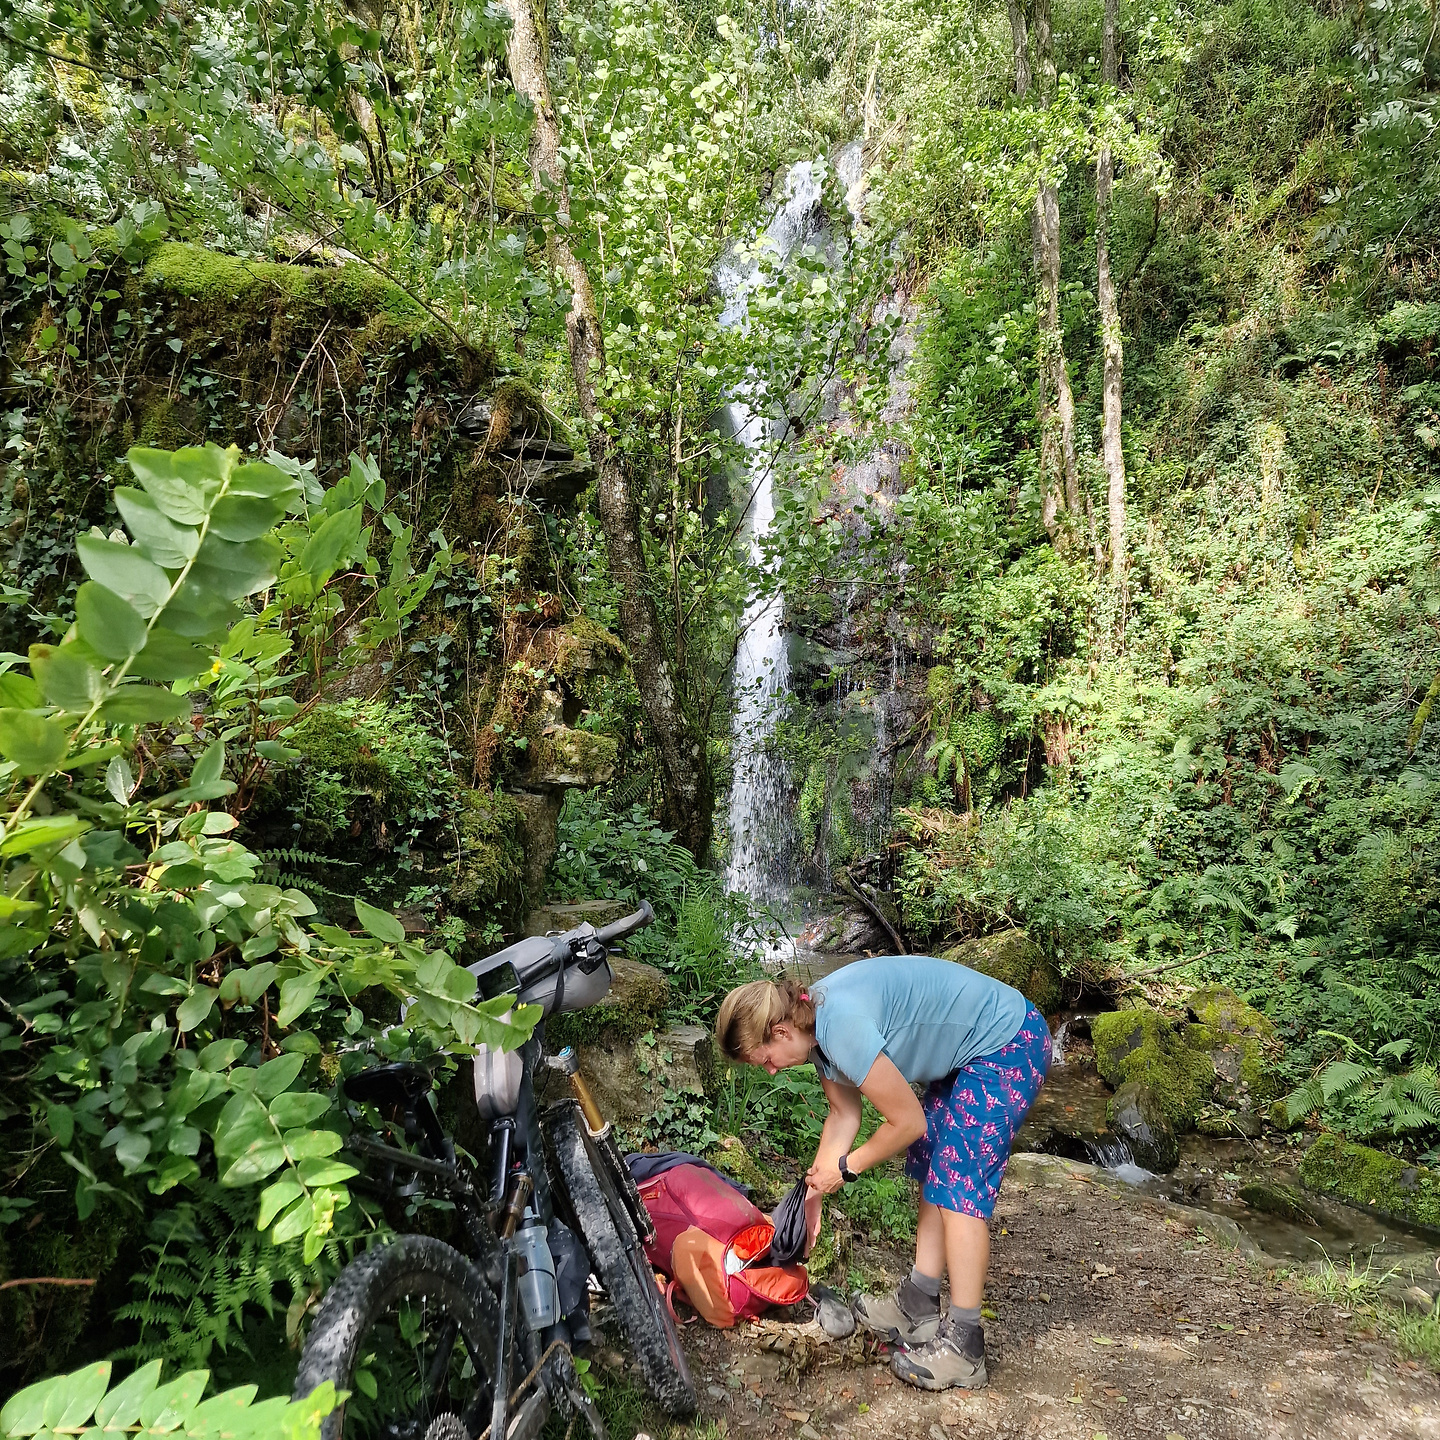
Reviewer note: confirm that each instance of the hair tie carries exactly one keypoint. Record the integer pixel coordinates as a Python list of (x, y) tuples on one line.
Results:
[(805, 996)]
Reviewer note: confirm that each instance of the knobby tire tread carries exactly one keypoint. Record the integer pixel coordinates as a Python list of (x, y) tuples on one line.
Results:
[(409, 1264), (615, 1252)]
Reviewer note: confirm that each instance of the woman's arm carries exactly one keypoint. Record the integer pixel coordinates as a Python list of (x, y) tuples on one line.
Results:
[(904, 1123), (842, 1124)]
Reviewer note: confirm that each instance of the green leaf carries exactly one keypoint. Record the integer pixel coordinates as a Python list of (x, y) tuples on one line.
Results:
[(143, 705), (109, 625), (24, 1412), (277, 1075), (31, 835), (168, 656), (183, 484), (121, 1407), (379, 923), (295, 997), (60, 1120), (156, 535), (198, 612), (274, 1199), (84, 1390), (125, 571), (263, 481), (333, 543), (66, 678), (322, 1171), (233, 571), (36, 745), (245, 517), (172, 1171), (309, 1144), (194, 1009), (220, 1054), (298, 1107), (225, 1415), (19, 692), (166, 1408), (255, 1162), (295, 1222), (210, 766)]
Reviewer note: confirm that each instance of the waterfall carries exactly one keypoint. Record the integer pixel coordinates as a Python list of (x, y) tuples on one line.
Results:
[(760, 820)]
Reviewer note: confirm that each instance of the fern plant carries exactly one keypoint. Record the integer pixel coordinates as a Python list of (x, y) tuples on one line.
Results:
[(212, 1279)]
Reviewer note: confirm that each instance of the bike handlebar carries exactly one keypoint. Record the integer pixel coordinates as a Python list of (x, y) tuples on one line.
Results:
[(620, 929)]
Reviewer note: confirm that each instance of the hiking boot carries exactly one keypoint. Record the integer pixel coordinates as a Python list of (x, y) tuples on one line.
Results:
[(946, 1361), (885, 1316)]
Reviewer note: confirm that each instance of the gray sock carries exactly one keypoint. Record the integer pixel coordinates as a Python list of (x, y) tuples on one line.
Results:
[(919, 1295), (965, 1323)]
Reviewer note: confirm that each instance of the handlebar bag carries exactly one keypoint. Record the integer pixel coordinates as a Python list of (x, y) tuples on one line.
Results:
[(556, 988), (707, 1238)]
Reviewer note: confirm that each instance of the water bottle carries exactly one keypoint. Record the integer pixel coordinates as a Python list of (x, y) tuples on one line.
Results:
[(538, 1292)]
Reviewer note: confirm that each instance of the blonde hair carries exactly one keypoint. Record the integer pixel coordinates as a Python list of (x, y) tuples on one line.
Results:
[(749, 1014)]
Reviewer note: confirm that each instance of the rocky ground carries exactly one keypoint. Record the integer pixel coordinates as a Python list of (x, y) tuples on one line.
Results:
[(1114, 1316)]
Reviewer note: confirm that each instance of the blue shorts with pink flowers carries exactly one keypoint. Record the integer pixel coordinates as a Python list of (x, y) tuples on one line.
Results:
[(971, 1118)]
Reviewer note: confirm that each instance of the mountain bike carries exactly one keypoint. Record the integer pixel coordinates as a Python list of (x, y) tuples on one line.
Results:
[(474, 1340)]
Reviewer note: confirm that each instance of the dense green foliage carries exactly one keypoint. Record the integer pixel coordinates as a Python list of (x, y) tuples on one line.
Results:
[(290, 728)]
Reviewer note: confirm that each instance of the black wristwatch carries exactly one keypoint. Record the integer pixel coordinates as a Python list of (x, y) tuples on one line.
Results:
[(846, 1173)]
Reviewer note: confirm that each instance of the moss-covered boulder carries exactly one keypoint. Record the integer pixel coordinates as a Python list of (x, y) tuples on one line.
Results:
[(730, 1156), (1241, 1043), (1014, 959), (632, 1007), (492, 857), (1270, 1197), (1141, 1045), (632, 1079), (1137, 1117), (1373, 1180)]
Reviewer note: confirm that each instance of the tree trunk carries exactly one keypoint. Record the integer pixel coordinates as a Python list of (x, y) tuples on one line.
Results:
[(1110, 316), (1055, 405), (689, 790)]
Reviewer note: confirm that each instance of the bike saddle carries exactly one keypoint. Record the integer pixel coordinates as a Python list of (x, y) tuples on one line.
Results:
[(399, 1084)]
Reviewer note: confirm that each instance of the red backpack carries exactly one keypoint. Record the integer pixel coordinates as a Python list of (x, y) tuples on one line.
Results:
[(707, 1236)]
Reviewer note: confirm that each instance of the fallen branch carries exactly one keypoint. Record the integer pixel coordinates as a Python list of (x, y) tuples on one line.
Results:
[(849, 887), (1174, 964), (44, 1280)]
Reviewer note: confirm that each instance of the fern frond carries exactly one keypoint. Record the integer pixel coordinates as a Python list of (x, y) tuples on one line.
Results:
[(1342, 1076)]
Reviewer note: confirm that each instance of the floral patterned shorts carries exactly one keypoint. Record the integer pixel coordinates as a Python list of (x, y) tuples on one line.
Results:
[(971, 1118)]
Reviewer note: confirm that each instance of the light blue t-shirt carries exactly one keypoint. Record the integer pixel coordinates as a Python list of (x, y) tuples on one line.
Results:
[(929, 1016)]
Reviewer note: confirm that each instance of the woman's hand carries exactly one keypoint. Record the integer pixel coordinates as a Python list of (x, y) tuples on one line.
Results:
[(824, 1178)]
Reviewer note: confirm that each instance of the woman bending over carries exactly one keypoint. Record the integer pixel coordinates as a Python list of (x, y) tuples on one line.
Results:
[(874, 1028)]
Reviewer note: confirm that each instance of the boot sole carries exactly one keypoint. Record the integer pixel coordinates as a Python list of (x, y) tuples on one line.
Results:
[(979, 1383)]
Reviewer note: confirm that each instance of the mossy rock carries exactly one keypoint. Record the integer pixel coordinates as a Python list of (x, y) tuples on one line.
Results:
[(1240, 1041), (584, 648), (1014, 959), (1142, 1045), (1373, 1180), (229, 285), (632, 1007), (568, 758), (731, 1158), (492, 857), (1271, 1198)]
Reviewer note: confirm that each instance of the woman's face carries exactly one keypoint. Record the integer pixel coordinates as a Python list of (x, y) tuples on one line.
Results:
[(788, 1045)]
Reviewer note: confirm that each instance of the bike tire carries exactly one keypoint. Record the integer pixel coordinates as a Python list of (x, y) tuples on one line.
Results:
[(619, 1262), (410, 1265)]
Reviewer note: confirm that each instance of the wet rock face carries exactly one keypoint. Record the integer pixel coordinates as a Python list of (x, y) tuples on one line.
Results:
[(846, 932), (1015, 960), (1138, 1118)]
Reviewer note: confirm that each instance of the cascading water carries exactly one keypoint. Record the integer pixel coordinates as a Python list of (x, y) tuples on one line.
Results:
[(760, 822)]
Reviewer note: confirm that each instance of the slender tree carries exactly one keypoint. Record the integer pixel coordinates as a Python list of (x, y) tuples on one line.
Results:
[(1110, 313), (689, 790), (1060, 475)]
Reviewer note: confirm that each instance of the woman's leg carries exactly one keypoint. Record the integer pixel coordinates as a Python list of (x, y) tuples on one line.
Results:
[(930, 1251), (967, 1252)]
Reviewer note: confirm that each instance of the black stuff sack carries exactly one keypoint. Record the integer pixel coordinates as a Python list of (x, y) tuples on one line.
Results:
[(789, 1221)]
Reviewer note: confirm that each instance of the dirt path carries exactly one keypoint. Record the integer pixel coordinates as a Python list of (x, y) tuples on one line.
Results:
[(1114, 1318)]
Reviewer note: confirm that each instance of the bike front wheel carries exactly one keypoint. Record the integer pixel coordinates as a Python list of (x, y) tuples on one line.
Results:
[(619, 1261), (408, 1329)]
